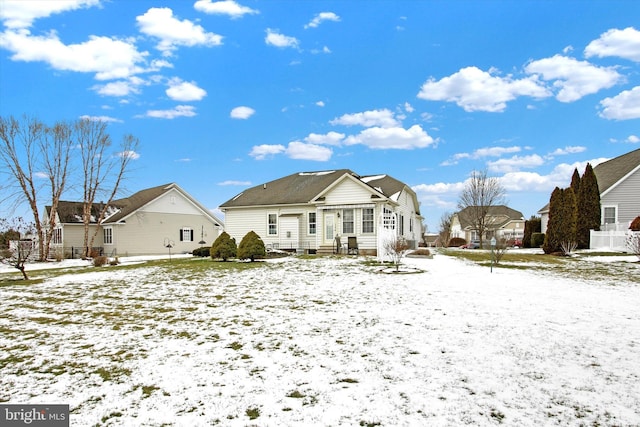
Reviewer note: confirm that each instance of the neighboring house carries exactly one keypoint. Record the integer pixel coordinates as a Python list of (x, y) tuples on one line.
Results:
[(619, 186), (307, 211), (146, 223), (501, 222)]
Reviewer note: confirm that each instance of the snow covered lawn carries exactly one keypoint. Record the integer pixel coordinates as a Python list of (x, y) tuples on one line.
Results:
[(325, 341)]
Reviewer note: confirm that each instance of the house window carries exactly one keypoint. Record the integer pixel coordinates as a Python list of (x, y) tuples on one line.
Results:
[(347, 221), (107, 235), (312, 223), (410, 225), (273, 224), (56, 239), (367, 220), (401, 224), (388, 220), (609, 215), (186, 234)]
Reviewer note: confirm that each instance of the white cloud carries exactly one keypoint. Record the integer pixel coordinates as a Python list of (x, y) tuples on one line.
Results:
[(129, 154), (21, 14), (276, 39), (261, 152), (633, 139), (439, 188), (325, 49), (231, 182), (120, 88), (178, 111), (383, 118), (408, 108), (331, 138), (301, 151), (568, 150), (172, 32), (108, 58), (573, 78), (226, 7), (105, 119), (321, 17), (622, 43), (320, 103), (184, 91), (515, 163), (242, 113), (477, 90), (480, 153), (624, 106), (392, 138)]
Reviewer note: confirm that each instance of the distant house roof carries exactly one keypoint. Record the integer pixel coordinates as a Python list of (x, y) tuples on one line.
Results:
[(71, 212), (502, 213), (303, 187), (609, 173)]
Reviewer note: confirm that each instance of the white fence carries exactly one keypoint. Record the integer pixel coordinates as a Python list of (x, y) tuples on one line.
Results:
[(612, 239)]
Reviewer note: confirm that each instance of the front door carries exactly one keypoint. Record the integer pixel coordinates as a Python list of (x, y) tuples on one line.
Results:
[(329, 228)]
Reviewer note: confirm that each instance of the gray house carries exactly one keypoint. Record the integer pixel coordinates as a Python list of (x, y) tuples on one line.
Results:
[(313, 211), (619, 186)]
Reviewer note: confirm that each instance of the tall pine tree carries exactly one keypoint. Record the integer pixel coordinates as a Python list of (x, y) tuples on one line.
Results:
[(554, 232), (588, 201)]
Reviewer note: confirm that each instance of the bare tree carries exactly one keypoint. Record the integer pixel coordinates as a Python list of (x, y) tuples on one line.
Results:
[(479, 194), (19, 145), (16, 252), (445, 228), (56, 151), (396, 248), (103, 173)]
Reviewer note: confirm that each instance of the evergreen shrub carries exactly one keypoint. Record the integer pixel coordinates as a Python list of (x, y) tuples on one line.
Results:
[(224, 247), (251, 247)]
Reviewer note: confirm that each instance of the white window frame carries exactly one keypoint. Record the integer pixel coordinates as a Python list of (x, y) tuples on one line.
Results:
[(348, 221), (186, 234), (615, 214), (272, 226), (56, 239), (368, 221), (313, 225), (107, 236)]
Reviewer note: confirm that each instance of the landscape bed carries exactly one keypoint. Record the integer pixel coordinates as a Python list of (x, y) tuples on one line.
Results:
[(326, 341)]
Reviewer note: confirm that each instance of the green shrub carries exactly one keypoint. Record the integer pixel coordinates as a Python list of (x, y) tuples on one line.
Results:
[(456, 241), (203, 251), (224, 247), (251, 247), (537, 240)]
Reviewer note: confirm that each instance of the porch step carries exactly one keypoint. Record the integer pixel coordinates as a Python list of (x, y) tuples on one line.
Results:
[(325, 250)]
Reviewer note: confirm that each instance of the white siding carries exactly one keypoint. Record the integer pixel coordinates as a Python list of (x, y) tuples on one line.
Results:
[(348, 192), (172, 201), (294, 219), (149, 232)]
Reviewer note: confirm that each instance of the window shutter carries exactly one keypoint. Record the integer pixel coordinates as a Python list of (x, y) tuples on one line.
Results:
[(181, 237), (191, 237)]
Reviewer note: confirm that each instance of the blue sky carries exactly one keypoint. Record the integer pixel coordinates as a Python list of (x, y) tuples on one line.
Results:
[(224, 95)]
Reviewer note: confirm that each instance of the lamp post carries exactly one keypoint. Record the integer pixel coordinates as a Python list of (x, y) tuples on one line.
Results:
[(493, 246)]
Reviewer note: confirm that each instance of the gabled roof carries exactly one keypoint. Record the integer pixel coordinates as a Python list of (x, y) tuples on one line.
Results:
[(612, 171), (504, 213), (303, 187), (71, 212)]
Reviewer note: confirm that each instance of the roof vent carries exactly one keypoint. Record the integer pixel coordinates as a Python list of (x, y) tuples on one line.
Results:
[(264, 186)]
